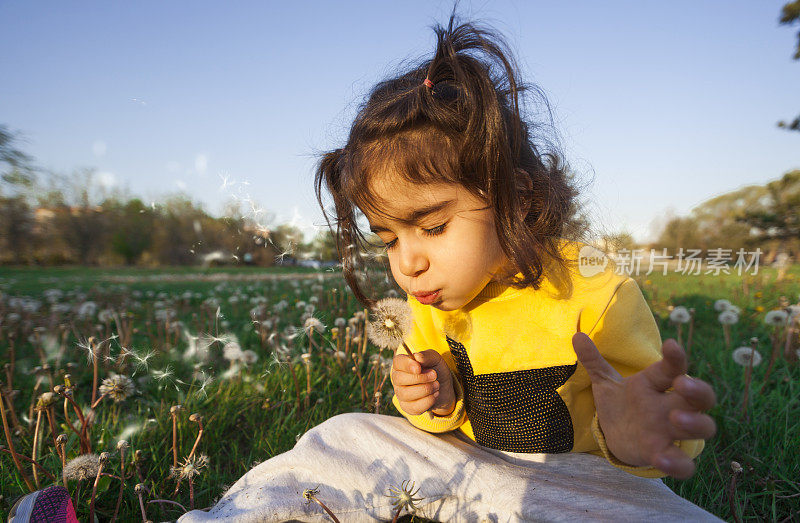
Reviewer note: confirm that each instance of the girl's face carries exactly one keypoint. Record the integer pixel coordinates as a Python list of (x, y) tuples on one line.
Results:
[(447, 250)]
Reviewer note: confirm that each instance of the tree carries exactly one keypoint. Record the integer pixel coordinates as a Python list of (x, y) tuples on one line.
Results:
[(777, 217), (790, 13), (16, 167), (131, 228), (323, 246)]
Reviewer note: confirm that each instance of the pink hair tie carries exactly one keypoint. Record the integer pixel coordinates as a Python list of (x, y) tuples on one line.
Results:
[(427, 83)]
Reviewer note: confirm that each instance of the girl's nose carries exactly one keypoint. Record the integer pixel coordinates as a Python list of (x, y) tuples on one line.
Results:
[(413, 260)]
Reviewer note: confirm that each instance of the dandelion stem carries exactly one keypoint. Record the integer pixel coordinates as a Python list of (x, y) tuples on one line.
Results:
[(196, 441), (11, 444), (139, 490), (324, 507), (94, 370), (98, 400), (776, 346), (397, 514), (294, 379), (121, 484), (94, 490), (166, 501), (35, 446)]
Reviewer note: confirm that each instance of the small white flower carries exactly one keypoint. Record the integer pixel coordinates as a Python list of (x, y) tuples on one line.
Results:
[(742, 356), (776, 318), (728, 317), (680, 314)]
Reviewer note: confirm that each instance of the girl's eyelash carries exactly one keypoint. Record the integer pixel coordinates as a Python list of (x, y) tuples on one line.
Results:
[(439, 229)]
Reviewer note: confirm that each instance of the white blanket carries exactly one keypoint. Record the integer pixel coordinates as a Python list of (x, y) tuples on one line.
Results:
[(353, 460)]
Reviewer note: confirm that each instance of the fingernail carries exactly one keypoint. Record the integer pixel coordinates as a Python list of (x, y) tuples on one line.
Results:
[(436, 386), (436, 394), (431, 375)]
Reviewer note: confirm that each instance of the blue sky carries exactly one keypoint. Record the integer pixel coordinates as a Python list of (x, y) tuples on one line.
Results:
[(662, 104)]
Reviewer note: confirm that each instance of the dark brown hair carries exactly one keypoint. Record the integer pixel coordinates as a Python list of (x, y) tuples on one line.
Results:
[(467, 129)]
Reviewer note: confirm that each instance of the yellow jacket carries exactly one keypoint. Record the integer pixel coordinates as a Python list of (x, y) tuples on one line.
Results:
[(519, 386)]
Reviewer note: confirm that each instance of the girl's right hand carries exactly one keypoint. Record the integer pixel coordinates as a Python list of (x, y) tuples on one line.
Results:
[(423, 386)]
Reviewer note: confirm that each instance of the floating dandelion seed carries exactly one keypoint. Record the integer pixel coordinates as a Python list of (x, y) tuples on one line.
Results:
[(118, 387), (82, 467)]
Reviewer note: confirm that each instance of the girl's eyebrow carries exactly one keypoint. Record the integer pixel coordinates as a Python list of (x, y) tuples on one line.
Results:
[(417, 214)]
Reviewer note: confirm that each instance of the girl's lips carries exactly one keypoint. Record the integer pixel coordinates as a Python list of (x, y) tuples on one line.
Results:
[(427, 299)]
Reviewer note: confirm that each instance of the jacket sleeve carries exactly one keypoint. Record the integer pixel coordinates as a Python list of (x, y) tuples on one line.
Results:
[(428, 421), (627, 336)]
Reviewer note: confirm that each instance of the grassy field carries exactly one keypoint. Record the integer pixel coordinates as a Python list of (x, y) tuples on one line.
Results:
[(169, 329)]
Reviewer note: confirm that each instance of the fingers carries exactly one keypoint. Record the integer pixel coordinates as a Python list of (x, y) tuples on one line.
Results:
[(427, 359), (695, 392), (662, 373), (691, 425), (594, 363), (675, 462), (400, 377)]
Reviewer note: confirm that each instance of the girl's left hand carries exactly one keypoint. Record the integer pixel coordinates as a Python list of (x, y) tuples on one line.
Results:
[(639, 418)]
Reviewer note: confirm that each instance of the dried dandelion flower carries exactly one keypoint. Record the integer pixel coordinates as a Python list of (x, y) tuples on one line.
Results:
[(392, 323), (82, 467), (680, 315), (403, 498), (190, 467), (118, 387), (743, 355), (776, 318), (736, 468), (45, 400)]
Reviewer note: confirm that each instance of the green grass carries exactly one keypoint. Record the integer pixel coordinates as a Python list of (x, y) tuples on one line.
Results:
[(254, 416)]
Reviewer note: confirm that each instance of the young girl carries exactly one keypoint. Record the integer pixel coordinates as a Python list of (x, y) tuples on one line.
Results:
[(542, 391)]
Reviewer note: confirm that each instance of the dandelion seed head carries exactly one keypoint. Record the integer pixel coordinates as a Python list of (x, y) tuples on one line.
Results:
[(743, 355), (313, 324), (249, 357), (679, 315), (82, 467), (728, 317), (721, 305), (118, 387), (776, 318), (392, 321)]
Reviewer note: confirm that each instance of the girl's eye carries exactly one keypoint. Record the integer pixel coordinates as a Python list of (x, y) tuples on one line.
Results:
[(439, 229), (436, 230)]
